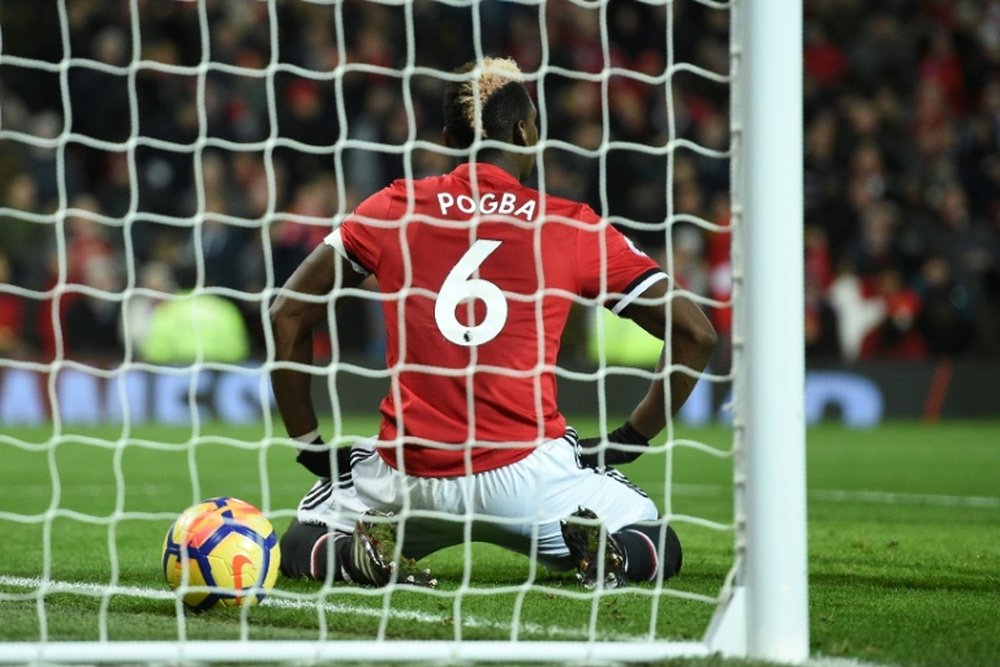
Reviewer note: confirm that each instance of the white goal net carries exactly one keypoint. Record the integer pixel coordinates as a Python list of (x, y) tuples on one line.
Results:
[(164, 167)]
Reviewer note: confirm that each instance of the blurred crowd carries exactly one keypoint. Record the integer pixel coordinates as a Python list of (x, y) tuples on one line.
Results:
[(902, 177), (202, 168)]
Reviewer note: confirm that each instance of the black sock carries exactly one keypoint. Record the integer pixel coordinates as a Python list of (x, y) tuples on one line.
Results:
[(305, 551), (641, 544), (320, 558)]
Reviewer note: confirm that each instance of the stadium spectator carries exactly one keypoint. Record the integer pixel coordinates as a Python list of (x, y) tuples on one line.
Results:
[(91, 320), (156, 279), (971, 248), (945, 320), (874, 249), (12, 313), (897, 335), (822, 340), (87, 240), (821, 327), (856, 312), (825, 63)]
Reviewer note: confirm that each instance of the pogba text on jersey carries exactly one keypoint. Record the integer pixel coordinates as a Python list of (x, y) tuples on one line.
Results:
[(488, 203)]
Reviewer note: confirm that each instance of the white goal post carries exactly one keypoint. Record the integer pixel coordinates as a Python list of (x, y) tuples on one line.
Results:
[(762, 607), (769, 361)]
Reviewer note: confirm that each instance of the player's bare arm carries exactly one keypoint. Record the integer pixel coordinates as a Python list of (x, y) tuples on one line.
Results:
[(692, 341), (293, 320)]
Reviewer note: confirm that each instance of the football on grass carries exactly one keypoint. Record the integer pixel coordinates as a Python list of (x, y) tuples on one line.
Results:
[(222, 551)]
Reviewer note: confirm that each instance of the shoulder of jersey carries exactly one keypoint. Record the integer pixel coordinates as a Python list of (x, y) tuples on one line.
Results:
[(400, 188), (399, 184), (568, 208)]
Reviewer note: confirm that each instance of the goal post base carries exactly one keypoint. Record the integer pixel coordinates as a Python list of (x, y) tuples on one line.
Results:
[(727, 632)]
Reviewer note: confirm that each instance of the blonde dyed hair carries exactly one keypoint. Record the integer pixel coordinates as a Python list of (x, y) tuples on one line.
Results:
[(494, 74)]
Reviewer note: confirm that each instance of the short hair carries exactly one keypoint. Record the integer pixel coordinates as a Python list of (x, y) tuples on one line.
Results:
[(502, 101)]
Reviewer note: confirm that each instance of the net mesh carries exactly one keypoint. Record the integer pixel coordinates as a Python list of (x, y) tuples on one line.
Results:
[(184, 156)]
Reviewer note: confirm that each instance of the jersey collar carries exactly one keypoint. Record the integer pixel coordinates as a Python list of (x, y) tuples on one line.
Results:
[(486, 172)]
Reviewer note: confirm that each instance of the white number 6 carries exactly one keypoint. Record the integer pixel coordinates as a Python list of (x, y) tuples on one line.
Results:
[(458, 287)]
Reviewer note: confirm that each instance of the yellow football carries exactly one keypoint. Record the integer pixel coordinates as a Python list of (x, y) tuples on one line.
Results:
[(222, 551)]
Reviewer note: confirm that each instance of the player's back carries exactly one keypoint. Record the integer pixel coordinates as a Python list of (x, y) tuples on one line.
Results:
[(476, 294), (481, 240)]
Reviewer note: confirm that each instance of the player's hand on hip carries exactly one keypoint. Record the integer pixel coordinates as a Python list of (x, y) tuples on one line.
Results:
[(316, 457), (626, 434), (317, 460)]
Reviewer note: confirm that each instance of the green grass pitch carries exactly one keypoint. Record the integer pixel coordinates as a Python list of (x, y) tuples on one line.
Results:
[(904, 546)]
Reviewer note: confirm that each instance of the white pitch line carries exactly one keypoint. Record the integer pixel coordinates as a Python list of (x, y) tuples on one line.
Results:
[(98, 590), (888, 498), (825, 661), (854, 496)]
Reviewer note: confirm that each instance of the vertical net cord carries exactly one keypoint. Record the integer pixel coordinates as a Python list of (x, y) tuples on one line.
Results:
[(603, 428), (265, 225), (336, 437), (196, 229), (57, 292), (671, 287), (131, 280), (738, 362), (411, 135), (529, 582), (602, 180), (464, 585), (337, 434), (408, 175), (539, 296), (265, 221), (403, 352), (194, 369)]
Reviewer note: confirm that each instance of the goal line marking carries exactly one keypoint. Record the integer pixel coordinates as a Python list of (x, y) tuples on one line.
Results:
[(86, 588), (850, 495), (887, 498), (97, 590)]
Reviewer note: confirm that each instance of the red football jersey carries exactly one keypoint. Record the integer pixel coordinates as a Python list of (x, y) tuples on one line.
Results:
[(478, 275)]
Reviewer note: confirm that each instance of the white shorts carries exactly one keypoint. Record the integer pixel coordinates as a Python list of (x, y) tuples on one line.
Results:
[(517, 507)]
